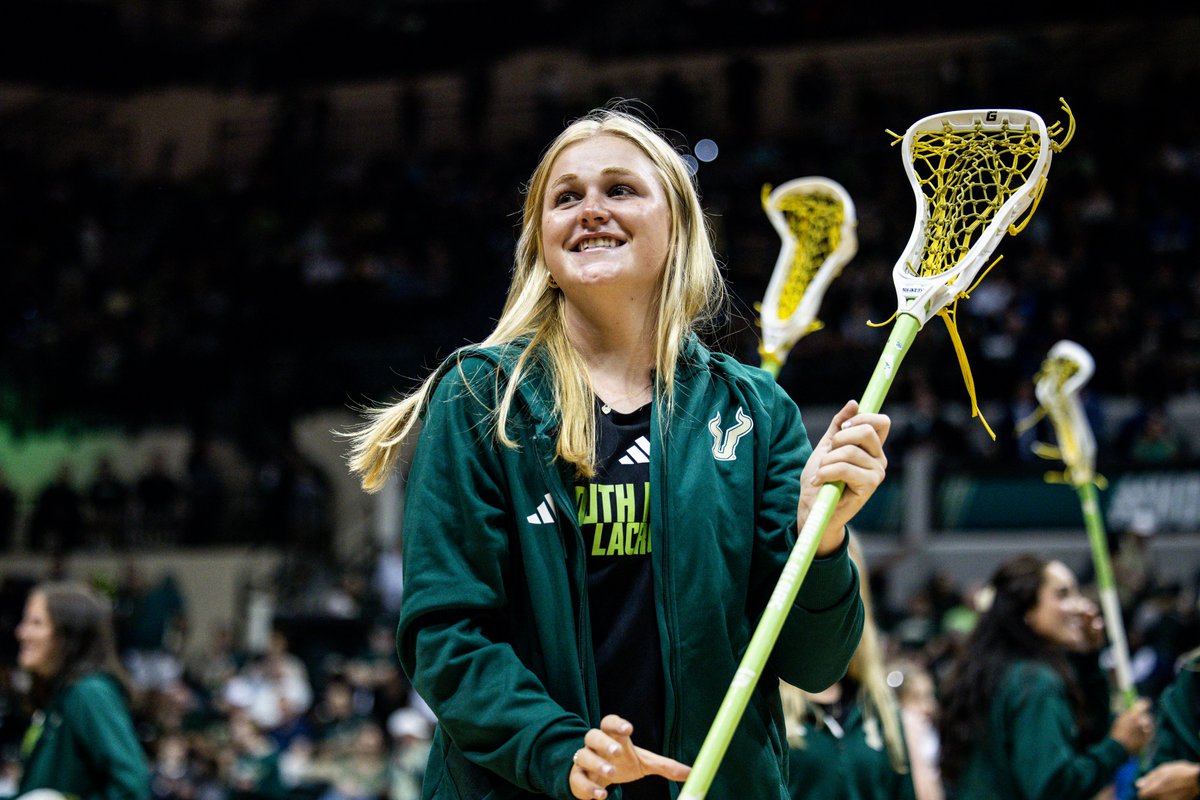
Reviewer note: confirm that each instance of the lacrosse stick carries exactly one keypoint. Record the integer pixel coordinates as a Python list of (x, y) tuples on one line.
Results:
[(974, 173), (815, 220), (1065, 370)]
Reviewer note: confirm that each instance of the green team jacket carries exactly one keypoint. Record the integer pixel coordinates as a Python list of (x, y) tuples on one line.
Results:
[(86, 747), (1178, 733), (494, 629), (847, 764), (1031, 750)]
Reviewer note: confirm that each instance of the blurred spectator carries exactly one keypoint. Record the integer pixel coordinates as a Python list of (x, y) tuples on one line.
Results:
[(205, 493), (8, 514), (211, 667), (175, 774), (917, 695), (273, 689), (251, 766), (374, 668), (293, 500), (1172, 768), (926, 425), (357, 772), (388, 579), (918, 625), (107, 506), (159, 502), (151, 628), (1148, 438), (411, 735), (57, 524), (335, 719), (1133, 562)]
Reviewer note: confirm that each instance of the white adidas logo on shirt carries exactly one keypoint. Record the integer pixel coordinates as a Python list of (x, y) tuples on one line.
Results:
[(545, 512), (639, 453)]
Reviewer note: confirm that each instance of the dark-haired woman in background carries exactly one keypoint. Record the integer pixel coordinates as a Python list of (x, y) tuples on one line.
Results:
[(81, 742), (1017, 721)]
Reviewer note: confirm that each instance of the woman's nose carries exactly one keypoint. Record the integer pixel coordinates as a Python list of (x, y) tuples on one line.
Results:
[(593, 210)]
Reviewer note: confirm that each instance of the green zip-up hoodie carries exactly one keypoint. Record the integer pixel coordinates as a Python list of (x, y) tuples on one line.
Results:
[(494, 629), (86, 746), (1032, 749), (1177, 737), (846, 762)]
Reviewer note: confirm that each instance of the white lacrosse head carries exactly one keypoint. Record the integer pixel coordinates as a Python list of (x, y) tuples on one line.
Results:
[(925, 286), (1065, 371), (780, 332)]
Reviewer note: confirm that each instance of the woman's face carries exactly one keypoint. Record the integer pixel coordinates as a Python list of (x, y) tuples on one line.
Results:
[(1057, 616), (605, 218), (35, 635)]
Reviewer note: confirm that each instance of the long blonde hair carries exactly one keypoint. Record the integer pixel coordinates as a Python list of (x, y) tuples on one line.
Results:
[(692, 292), (875, 697)]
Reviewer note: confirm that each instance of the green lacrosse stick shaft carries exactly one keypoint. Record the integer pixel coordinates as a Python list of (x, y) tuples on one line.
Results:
[(771, 364), (1107, 586), (799, 560)]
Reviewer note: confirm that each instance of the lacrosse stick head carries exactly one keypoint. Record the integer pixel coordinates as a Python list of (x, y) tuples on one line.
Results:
[(973, 173), (1064, 372), (817, 227)]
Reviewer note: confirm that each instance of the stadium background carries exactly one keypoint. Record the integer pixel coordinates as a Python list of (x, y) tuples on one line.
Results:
[(225, 223)]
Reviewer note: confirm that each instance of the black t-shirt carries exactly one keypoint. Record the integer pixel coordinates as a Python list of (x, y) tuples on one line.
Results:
[(614, 512)]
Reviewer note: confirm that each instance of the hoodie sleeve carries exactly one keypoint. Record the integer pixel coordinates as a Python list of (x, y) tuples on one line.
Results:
[(452, 635), (824, 625), (98, 717), (1045, 763)]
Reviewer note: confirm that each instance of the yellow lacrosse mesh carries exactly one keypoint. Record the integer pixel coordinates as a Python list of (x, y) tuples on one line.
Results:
[(1067, 422), (966, 176), (815, 222)]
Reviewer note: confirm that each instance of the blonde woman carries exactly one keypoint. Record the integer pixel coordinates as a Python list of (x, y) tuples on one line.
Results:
[(847, 741), (599, 506)]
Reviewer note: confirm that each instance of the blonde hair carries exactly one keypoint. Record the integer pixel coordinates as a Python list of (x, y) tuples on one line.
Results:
[(692, 292), (875, 697)]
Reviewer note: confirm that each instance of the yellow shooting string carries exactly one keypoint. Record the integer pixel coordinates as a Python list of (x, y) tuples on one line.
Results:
[(947, 314)]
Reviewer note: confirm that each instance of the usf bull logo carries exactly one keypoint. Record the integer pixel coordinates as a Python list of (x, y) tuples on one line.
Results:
[(725, 442)]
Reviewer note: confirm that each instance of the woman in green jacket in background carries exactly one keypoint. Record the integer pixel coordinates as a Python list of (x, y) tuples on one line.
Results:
[(1016, 721), (81, 742), (847, 742), (1172, 769), (599, 507)]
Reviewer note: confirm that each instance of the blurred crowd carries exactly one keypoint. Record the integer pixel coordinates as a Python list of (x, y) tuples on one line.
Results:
[(314, 705), (285, 501), (233, 299)]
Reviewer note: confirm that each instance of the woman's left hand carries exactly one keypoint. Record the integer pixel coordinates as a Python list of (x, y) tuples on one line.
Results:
[(851, 451)]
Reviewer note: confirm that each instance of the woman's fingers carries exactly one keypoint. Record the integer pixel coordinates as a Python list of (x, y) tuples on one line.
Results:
[(668, 768), (609, 756), (583, 784)]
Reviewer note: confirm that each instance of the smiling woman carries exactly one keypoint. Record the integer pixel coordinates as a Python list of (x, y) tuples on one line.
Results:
[(81, 741), (1017, 717), (598, 504)]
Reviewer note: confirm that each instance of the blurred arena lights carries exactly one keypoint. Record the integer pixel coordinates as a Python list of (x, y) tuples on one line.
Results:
[(706, 150)]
